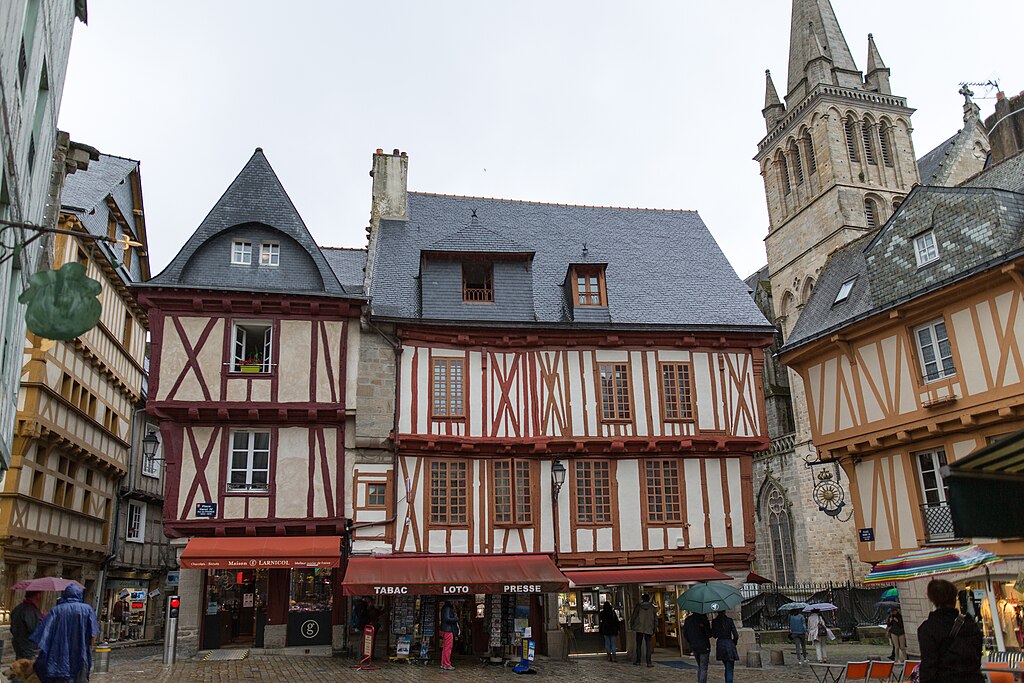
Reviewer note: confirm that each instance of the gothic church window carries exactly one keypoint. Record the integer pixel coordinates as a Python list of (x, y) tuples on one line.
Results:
[(784, 170), (798, 167), (851, 141), (869, 151), (870, 214), (780, 534), (812, 163), (883, 145)]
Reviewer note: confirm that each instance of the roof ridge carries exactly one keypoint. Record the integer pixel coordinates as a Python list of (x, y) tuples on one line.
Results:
[(527, 201), (343, 248), (118, 156)]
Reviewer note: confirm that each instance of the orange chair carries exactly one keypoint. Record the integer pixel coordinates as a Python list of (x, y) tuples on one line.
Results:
[(998, 676), (880, 671), (902, 672), (857, 671)]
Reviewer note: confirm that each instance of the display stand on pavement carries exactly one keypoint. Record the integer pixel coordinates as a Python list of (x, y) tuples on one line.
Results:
[(369, 640)]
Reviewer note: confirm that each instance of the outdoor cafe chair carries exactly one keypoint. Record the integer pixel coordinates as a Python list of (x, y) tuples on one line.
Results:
[(998, 676), (880, 671), (901, 672), (857, 671)]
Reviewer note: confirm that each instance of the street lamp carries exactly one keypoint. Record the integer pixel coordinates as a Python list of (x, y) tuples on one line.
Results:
[(149, 445), (557, 479)]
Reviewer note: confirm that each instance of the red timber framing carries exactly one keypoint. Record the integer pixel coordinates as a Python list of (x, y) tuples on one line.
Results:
[(199, 431)]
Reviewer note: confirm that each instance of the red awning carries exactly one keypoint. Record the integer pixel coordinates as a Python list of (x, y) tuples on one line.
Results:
[(272, 552), (757, 578), (452, 575), (616, 576)]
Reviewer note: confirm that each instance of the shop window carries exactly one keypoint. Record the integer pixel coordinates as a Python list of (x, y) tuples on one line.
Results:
[(513, 498), (241, 252), (593, 492), (448, 389), (253, 346), (934, 351), (676, 396), (311, 590), (376, 495), (448, 492), (615, 404), (136, 531), (579, 610), (661, 482), (589, 284), (250, 461), (270, 253)]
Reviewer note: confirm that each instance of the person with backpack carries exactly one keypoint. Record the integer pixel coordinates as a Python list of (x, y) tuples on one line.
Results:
[(950, 642)]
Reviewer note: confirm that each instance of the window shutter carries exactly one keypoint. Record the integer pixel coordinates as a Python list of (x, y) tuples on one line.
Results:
[(239, 347), (267, 339)]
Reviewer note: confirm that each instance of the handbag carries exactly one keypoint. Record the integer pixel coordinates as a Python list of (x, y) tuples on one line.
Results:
[(822, 629)]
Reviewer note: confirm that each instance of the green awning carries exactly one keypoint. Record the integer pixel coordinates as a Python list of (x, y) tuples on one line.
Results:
[(986, 490)]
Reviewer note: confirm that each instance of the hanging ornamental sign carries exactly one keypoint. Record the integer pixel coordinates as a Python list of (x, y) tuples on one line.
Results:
[(61, 304), (828, 494)]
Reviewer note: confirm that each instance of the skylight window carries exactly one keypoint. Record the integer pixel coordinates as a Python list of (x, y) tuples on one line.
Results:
[(844, 291)]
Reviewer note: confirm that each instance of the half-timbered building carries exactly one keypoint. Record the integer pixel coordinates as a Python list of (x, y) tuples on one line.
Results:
[(577, 386), (79, 398), (254, 334), (910, 350)]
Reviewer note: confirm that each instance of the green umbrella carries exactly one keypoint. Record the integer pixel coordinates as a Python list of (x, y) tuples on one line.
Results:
[(709, 597), (890, 594)]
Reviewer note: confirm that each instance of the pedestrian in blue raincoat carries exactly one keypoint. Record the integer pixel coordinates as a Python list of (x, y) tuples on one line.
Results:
[(65, 639)]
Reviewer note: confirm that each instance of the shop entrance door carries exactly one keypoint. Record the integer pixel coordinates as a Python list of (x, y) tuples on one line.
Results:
[(235, 603)]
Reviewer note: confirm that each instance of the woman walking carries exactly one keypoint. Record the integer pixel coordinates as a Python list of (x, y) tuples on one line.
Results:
[(608, 625), (817, 632), (897, 635), (723, 628)]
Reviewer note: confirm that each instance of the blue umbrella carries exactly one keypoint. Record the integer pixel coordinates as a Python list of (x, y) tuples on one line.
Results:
[(709, 597), (821, 607)]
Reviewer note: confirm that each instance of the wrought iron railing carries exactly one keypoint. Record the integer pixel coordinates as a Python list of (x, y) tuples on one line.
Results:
[(938, 522)]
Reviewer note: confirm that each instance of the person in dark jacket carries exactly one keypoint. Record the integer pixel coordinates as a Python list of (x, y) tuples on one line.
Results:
[(798, 634), (723, 628), (697, 631), (449, 629), (897, 635), (950, 642), (608, 626), (642, 622), (24, 619)]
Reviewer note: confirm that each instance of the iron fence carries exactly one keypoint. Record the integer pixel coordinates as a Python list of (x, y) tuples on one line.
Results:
[(857, 605)]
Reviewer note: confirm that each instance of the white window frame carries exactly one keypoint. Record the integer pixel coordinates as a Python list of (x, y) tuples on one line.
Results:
[(239, 336), (250, 452), (926, 253), (844, 290), (151, 463), (241, 253), (936, 460), (942, 370), (135, 528), (270, 254)]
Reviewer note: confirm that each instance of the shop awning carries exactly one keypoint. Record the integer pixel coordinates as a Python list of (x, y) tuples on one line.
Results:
[(452, 575), (986, 490), (617, 576), (271, 552)]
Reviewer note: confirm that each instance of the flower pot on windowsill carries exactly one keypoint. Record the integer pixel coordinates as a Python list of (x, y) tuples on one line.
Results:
[(252, 368)]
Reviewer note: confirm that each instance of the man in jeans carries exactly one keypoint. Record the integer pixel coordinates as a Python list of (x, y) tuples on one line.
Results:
[(642, 622), (697, 631), (798, 634)]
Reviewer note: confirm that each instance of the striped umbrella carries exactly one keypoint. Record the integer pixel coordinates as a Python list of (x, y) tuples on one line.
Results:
[(930, 562)]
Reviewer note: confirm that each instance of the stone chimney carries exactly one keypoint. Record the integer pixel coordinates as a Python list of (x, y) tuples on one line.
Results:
[(390, 186), (1006, 127)]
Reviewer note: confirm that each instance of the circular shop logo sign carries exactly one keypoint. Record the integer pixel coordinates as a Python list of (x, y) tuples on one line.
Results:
[(714, 606), (309, 629)]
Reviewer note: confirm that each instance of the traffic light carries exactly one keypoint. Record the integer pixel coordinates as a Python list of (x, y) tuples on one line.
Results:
[(173, 604)]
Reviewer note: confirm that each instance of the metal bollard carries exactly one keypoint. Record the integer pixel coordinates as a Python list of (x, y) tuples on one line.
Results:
[(753, 659), (101, 662), (778, 658)]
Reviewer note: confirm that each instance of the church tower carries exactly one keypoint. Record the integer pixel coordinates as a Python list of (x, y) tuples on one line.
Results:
[(836, 161)]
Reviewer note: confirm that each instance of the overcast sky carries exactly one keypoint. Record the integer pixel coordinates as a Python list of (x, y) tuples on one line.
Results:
[(652, 104)]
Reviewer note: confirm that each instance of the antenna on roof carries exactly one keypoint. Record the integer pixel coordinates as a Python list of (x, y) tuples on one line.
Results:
[(472, 213), (584, 248), (993, 84)]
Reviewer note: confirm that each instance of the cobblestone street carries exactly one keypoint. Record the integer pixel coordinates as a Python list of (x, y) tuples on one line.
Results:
[(301, 669)]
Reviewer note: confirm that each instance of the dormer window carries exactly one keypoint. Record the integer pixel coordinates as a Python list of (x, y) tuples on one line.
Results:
[(590, 286), (926, 248), (241, 253), (844, 291), (270, 253), (478, 282)]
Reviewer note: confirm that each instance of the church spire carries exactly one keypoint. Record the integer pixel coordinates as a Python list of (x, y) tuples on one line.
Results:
[(774, 109), (877, 77), (814, 28)]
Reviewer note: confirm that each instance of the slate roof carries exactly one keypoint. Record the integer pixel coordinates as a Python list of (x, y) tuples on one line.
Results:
[(976, 229), (663, 267), (476, 238), (1008, 174), (930, 165), (255, 197), (348, 265), (83, 190)]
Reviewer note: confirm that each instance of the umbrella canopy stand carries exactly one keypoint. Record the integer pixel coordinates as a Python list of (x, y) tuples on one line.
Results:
[(997, 625)]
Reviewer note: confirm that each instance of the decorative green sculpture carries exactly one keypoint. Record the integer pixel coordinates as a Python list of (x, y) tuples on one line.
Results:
[(61, 304)]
